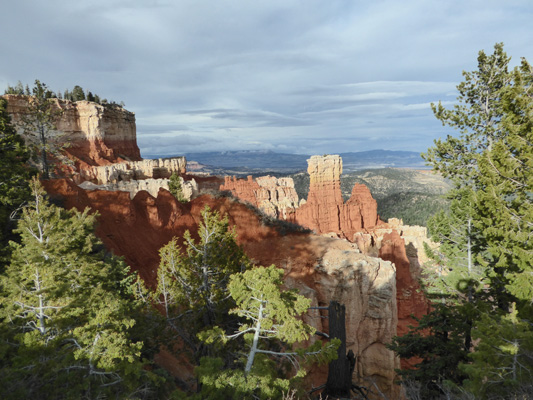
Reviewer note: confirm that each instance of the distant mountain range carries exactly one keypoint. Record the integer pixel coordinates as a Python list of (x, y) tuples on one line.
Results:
[(250, 161)]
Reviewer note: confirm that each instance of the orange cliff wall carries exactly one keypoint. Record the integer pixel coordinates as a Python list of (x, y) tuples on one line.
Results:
[(95, 134), (321, 268)]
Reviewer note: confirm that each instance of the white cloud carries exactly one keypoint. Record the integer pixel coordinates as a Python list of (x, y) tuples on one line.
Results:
[(297, 75)]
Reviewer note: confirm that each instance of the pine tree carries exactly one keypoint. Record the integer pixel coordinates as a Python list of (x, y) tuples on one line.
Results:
[(38, 124), (14, 176), (505, 205), (502, 363), (175, 187), (486, 250), (66, 312), (270, 316), (192, 284), (77, 93)]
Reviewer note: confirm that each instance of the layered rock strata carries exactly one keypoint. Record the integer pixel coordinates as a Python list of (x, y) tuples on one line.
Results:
[(276, 197), (189, 188), (95, 134), (135, 170)]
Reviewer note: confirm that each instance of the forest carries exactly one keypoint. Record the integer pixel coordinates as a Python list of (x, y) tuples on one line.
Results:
[(75, 322)]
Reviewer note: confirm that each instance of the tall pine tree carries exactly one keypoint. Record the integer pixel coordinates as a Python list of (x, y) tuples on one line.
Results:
[(67, 312), (192, 283), (14, 176), (486, 249)]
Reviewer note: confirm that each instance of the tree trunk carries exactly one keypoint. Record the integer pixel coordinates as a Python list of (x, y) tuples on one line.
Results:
[(340, 372)]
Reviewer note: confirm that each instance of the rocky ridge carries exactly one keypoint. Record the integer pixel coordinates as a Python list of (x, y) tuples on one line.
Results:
[(322, 268), (96, 134)]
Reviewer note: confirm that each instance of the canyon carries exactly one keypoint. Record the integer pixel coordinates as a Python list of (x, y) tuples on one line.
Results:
[(347, 255)]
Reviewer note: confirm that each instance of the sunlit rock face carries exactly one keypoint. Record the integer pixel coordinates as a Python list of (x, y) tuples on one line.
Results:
[(135, 170), (276, 197), (189, 189), (325, 210), (94, 134)]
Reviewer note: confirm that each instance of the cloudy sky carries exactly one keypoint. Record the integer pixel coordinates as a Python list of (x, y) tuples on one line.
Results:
[(308, 76)]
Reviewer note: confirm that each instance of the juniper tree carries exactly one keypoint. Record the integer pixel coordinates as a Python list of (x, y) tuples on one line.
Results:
[(66, 312)]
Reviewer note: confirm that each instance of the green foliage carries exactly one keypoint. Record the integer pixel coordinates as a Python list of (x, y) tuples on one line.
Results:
[(66, 312), (174, 187), (413, 208), (38, 124), (192, 284), (262, 383), (271, 327), (439, 343), (501, 364), (75, 94), (14, 176), (486, 251), (18, 89)]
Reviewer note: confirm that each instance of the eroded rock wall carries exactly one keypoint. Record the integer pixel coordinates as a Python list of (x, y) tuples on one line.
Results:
[(322, 268), (189, 188), (95, 134), (276, 197), (135, 170)]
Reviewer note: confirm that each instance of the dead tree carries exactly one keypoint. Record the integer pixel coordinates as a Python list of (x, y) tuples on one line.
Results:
[(339, 383)]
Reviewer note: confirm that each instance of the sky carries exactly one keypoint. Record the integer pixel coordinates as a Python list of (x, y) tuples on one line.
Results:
[(307, 77)]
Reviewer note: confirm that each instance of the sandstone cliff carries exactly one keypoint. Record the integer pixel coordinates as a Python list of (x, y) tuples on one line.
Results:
[(189, 188), (322, 268), (135, 170), (275, 197), (325, 210), (95, 134)]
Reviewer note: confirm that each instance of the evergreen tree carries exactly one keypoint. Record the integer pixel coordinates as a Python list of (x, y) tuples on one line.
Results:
[(486, 250), (38, 124), (174, 187), (77, 93), (17, 89), (90, 96), (66, 312), (270, 315), (271, 327), (14, 176), (502, 363), (192, 284)]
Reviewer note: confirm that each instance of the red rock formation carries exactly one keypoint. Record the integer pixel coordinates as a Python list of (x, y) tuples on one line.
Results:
[(243, 189), (97, 135), (325, 210), (410, 301), (322, 268)]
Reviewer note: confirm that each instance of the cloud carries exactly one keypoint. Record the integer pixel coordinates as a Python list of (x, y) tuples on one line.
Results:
[(303, 76)]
